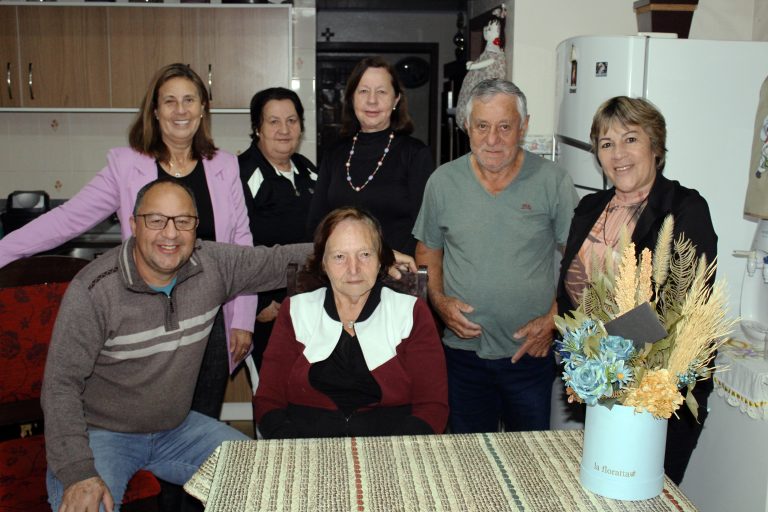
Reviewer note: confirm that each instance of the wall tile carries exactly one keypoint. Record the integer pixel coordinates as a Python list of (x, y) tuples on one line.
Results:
[(304, 28), (306, 93), (304, 64), (230, 125)]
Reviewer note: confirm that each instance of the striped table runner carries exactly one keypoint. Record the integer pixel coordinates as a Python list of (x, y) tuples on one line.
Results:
[(519, 471)]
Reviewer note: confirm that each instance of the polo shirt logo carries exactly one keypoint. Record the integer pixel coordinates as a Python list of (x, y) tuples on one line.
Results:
[(526, 206)]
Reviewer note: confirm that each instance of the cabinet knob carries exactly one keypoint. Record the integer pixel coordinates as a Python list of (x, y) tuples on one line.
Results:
[(29, 77), (8, 80)]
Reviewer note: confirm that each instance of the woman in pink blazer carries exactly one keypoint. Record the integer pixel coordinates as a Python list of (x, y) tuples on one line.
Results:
[(170, 139)]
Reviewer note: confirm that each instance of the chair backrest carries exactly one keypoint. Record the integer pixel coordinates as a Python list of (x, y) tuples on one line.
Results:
[(31, 290), (412, 283), (40, 270)]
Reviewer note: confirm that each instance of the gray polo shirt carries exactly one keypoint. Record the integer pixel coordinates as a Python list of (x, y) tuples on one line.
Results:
[(498, 251)]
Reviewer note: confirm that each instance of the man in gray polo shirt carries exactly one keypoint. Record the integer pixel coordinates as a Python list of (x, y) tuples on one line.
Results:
[(488, 229)]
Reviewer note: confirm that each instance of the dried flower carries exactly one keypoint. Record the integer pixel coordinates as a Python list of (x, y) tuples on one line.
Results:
[(626, 283), (599, 367), (656, 393)]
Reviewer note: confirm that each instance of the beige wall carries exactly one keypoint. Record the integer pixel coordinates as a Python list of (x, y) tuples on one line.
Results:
[(539, 25), (760, 30), (59, 152), (726, 20)]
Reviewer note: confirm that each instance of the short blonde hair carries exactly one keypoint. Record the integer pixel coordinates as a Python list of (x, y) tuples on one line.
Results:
[(632, 111)]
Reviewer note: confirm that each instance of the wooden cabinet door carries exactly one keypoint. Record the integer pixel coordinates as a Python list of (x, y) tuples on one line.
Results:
[(243, 50), (10, 88), (141, 41), (64, 53)]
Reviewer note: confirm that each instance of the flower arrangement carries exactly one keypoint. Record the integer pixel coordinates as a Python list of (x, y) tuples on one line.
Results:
[(600, 367)]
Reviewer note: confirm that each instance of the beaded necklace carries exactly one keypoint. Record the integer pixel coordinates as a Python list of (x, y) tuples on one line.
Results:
[(378, 164)]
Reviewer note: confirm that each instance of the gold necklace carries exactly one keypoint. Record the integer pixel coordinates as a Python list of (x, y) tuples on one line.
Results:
[(180, 172)]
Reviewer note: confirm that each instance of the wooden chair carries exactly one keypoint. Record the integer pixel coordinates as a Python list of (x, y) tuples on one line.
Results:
[(412, 283), (31, 290)]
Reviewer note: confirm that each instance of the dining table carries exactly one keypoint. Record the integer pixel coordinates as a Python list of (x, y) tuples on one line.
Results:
[(493, 472)]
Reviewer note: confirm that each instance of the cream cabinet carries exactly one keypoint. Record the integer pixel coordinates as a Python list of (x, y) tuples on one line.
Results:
[(72, 57)]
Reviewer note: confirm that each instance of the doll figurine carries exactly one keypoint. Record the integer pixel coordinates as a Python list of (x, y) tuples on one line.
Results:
[(490, 64)]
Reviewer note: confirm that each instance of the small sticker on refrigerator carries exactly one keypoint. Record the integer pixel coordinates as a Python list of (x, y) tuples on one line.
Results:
[(601, 69)]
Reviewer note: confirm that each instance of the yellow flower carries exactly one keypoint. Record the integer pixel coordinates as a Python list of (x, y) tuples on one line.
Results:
[(656, 393)]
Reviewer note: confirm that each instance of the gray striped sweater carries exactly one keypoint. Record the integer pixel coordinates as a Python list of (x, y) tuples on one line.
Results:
[(125, 358)]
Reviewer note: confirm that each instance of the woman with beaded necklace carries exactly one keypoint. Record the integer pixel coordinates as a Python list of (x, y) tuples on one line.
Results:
[(377, 165)]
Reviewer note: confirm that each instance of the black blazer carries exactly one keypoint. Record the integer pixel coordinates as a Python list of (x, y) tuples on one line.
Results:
[(689, 209)]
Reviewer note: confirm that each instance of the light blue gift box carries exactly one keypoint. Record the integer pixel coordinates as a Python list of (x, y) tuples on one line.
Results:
[(623, 455)]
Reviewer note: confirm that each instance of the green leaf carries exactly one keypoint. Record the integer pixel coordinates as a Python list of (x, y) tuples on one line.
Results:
[(692, 404)]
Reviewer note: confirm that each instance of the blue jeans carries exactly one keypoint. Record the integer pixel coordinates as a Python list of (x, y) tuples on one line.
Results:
[(173, 455), (481, 392)]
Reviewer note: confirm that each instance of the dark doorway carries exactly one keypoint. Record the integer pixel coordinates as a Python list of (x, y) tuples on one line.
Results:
[(336, 60)]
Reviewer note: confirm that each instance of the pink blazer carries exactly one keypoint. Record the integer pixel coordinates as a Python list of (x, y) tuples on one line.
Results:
[(114, 189)]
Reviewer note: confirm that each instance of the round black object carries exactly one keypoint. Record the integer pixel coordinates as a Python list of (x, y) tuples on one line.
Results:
[(413, 71)]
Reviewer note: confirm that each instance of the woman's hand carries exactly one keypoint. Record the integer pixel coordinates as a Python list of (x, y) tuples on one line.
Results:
[(239, 344), (269, 313), (403, 263)]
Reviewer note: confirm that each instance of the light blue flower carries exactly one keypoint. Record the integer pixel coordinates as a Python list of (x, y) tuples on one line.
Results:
[(621, 374), (572, 362), (690, 375), (622, 347), (572, 342), (590, 381), (573, 339)]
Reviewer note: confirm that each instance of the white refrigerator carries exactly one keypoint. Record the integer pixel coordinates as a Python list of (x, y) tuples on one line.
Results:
[(708, 92)]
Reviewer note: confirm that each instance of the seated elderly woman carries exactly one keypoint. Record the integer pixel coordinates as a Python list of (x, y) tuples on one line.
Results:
[(628, 138), (354, 358)]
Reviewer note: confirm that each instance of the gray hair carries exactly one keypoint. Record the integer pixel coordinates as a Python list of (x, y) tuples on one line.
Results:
[(493, 86)]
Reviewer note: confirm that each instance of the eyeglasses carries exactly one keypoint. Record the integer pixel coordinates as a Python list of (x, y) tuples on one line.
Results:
[(156, 221)]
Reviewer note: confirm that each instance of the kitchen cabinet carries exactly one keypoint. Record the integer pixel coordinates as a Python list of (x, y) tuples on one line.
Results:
[(141, 41), (104, 56), (243, 50), (10, 91), (63, 56)]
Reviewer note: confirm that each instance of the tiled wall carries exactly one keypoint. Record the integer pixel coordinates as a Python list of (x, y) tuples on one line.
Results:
[(60, 151), (304, 74)]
